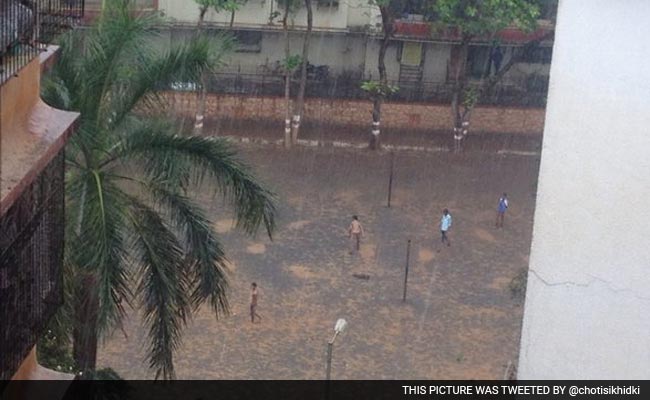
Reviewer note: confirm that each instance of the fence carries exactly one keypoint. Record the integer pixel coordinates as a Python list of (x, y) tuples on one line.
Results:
[(25, 25), (31, 261), (348, 86)]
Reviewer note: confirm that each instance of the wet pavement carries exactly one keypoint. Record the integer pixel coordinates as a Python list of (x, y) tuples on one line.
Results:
[(459, 321)]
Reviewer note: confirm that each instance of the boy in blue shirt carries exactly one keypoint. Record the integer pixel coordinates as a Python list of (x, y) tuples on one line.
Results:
[(501, 210)]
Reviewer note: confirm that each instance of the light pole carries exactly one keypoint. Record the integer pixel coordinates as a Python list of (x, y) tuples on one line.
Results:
[(406, 271), (341, 325)]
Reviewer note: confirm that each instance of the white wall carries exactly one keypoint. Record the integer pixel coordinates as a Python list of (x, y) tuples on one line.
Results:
[(391, 61), (361, 14), (436, 58), (257, 12), (340, 52), (587, 313)]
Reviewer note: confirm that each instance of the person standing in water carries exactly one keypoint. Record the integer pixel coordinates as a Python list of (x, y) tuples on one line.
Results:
[(501, 210), (355, 232), (445, 225)]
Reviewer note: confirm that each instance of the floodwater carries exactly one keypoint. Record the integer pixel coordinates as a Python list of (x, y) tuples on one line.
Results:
[(460, 320)]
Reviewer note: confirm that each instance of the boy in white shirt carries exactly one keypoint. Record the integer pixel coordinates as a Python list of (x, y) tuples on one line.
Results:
[(445, 224)]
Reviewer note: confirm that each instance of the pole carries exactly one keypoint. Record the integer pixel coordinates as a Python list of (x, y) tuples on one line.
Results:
[(330, 347), (328, 374), (390, 177), (406, 272)]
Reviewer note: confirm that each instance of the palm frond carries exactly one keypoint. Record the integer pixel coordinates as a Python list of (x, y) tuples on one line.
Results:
[(163, 285), (109, 47), (182, 63), (62, 85), (203, 250), (208, 157)]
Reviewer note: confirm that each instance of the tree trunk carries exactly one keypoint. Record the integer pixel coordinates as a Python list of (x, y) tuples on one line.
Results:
[(376, 121), (85, 330), (200, 101), (462, 117), (460, 80), (287, 78), (232, 19), (387, 24), (300, 102)]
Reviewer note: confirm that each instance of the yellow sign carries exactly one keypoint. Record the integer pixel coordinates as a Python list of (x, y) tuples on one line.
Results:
[(412, 53)]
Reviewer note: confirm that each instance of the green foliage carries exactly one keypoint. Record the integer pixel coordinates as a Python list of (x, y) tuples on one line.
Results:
[(221, 5), (470, 97), (275, 14), (482, 17), (106, 374), (517, 285), (130, 224), (375, 88), (53, 351), (292, 62)]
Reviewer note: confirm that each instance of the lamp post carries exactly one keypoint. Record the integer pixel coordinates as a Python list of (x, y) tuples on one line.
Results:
[(341, 325)]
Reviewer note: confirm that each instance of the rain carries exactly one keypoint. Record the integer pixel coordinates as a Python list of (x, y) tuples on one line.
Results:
[(462, 315), (414, 115)]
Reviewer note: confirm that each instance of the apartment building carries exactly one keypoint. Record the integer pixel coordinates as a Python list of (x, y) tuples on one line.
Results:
[(346, 40)]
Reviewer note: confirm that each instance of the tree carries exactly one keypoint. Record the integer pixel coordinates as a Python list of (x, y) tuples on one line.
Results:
[(480, 18), (204, 7), (218, 6), (134, 235), (300, 102), (379, 90), (290, 63)]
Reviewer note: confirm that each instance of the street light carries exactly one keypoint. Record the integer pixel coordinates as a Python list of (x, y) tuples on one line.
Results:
[(339, 327)]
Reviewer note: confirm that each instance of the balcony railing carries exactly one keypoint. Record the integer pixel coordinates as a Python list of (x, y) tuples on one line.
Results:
[(423, 30), (31, 260), (265, 82), (27, 25)]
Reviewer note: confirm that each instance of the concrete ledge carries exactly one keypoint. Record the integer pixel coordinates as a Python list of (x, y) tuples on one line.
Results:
[(28, 148)]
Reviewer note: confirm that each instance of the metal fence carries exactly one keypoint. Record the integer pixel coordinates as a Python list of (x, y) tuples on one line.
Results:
[(26, 25), (348, 86), (31, 261)]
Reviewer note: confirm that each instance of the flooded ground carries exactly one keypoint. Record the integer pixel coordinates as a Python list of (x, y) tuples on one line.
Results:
[(460, 320)]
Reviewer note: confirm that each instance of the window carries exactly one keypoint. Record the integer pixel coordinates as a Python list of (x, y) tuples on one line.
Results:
[(539, 55), (327, 3), (477, 59), (248, 41)]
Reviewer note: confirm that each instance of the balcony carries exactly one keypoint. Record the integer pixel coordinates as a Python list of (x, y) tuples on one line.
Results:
[(31, 258), (32, 138)]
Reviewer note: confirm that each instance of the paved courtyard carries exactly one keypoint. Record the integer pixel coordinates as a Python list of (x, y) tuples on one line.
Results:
[(460, 320)]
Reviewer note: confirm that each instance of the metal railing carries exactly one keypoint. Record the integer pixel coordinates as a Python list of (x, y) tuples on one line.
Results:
[(27, 25), (348, 86), (31, 262)]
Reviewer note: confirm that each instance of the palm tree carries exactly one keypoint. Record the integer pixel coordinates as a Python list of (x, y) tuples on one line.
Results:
[(134, 236)]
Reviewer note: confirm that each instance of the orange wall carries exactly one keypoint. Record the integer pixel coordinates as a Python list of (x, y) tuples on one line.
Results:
[(416, 116), (18, 95)]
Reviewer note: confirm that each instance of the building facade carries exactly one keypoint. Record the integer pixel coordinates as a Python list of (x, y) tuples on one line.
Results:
[(32, 137), (587, 310), (345, 44)]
